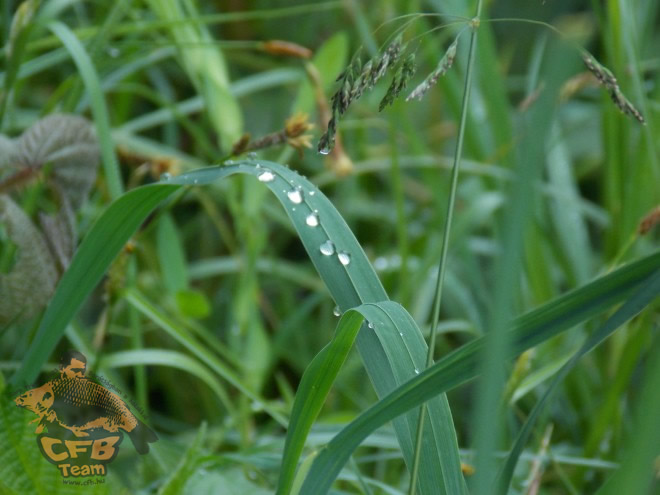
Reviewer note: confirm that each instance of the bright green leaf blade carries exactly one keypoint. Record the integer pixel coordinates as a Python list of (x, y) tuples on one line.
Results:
[(463, 364), (388, 363), (320, 375), (638, 301), (104, 240)]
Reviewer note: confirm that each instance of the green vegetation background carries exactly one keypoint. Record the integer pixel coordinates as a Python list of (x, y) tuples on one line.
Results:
[(212, 313)]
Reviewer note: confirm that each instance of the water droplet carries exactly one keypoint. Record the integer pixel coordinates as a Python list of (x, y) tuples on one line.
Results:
[(401, 333), (252, 155), (325, 150), (336, 311), (344, 257), (371, 325), (312, 193), (266, 176), (229, 162), (416, 371), (295, 196), (294, 208), (166, 177), (258, 165), (195, 181), (327, 248), (312, 220)]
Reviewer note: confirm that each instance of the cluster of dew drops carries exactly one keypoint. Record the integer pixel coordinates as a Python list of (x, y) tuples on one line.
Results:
[(295, 195)]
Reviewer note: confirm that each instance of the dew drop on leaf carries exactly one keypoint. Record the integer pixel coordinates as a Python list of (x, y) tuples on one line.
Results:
[(344, 257), (266, 176), (166, 177), (327, 248), (336, 311), (295, 196), (312, 220)]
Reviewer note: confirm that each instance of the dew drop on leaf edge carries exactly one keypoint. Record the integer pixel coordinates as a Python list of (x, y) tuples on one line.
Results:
[(266, 176)]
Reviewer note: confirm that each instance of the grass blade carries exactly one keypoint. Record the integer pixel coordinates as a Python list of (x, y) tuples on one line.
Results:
[(99, 108), (636, 472), (104, 240), (463, 364), (166, 357), (387, 362), (387, 319), (640, 299)]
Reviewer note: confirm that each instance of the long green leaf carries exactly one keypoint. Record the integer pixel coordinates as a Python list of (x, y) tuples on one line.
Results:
[(640, 299), (103, 242), (388, 363), (462, 365), (322, 371)]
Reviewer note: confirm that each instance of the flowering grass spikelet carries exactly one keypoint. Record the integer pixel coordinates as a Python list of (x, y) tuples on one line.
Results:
[(607, 79), (399, 82), (354, 81), (441, 69)]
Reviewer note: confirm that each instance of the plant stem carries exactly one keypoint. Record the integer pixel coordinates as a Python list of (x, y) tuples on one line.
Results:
[(445, 241)]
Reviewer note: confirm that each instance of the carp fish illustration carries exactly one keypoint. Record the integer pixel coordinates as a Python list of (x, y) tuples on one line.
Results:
[(81, 405)]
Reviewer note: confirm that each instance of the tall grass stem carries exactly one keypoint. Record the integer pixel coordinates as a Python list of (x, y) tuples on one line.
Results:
[(445, 240)]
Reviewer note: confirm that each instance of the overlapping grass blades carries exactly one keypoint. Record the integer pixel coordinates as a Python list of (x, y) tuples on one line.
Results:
[(391, 357), (386, 319), (648, 291), (462, 365), (388, 362)]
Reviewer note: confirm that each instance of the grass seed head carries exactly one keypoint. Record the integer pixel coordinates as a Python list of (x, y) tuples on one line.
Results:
[(441, 69), (607, 79), (399, 82)]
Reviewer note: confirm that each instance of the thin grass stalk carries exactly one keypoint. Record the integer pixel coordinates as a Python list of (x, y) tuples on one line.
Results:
[(445, 239)]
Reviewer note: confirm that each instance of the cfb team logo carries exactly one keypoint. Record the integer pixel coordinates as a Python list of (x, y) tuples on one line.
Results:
[(79, 420)]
